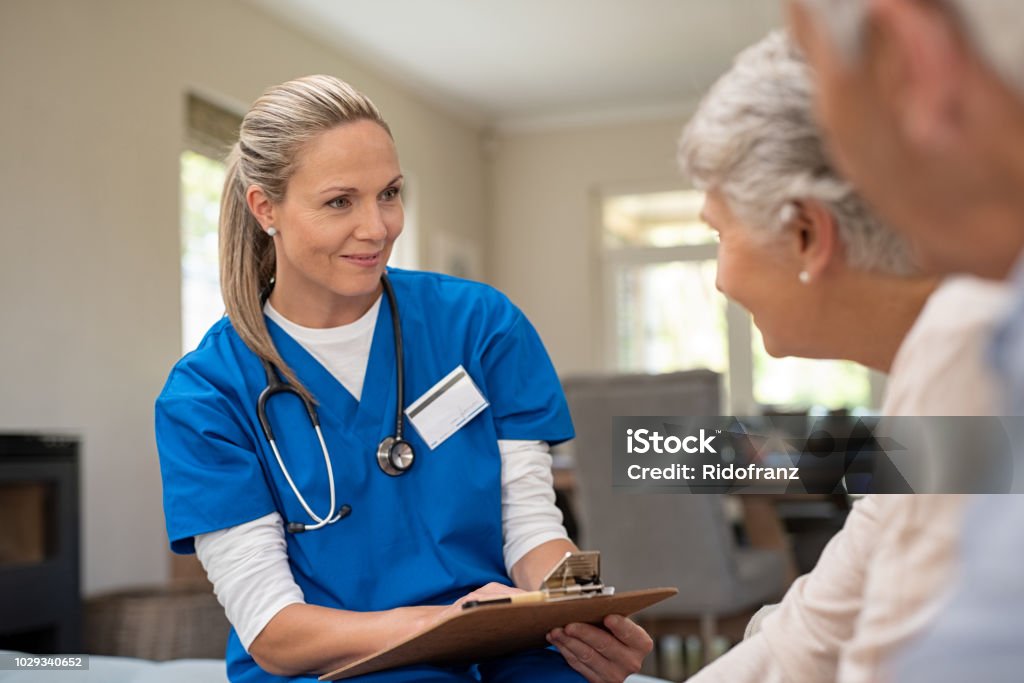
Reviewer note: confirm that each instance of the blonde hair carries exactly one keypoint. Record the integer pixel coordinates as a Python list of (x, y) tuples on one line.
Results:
[(272, 135)]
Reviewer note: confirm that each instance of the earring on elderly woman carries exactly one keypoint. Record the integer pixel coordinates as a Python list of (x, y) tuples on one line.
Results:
[(271, 231), (804, 277)]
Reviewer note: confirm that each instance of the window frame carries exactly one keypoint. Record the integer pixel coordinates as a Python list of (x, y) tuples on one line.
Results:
[(210, 128)]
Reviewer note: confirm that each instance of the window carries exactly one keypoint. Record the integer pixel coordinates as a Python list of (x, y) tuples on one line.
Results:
[(210, 132), (664, 313), (201, 303), (804, 382)]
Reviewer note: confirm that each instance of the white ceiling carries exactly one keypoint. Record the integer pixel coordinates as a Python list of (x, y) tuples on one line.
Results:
[(527, 63)]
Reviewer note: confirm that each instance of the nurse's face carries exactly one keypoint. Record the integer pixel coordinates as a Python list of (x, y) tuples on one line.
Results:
[(339, 219), (760, 272)]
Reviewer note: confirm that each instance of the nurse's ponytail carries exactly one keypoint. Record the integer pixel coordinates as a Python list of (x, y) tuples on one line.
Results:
[(246, 267), (272, 134)]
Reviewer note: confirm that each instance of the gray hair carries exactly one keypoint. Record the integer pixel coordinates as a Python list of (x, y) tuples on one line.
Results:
[(754, 138), (993, 27)]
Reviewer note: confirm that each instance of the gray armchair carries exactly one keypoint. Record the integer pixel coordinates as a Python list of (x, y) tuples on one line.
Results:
[(647, 540)]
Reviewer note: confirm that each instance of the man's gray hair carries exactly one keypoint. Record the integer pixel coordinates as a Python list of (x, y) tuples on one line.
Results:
[(754, 139), (995, 28)]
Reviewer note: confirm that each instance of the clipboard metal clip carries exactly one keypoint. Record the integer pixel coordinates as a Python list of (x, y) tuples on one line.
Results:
[(577, 574)]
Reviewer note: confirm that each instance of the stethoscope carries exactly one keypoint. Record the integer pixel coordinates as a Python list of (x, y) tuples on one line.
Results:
[(394, 454)]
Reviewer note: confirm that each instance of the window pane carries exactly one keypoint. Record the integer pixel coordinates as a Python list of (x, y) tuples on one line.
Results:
[(669, 316), (801, 382), (659, 219), (201, 303)]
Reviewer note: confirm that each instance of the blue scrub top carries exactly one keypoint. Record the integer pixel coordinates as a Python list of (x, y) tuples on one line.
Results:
[(424, 538)]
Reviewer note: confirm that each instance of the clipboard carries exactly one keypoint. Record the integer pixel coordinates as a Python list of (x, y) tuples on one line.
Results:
[(492, 630)]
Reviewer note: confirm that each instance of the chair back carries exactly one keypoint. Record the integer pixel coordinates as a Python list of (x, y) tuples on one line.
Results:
[(648, 540)]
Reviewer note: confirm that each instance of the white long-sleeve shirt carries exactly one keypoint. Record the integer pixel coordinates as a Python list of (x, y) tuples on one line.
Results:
[(248, 563)]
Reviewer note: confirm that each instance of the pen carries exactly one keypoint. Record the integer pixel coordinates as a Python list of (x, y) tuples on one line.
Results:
[(530, 596)]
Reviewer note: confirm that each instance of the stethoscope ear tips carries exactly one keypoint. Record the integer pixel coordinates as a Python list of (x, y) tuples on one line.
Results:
[(297, 527)]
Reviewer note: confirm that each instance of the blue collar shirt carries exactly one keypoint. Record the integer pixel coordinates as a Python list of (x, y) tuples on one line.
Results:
[(977, 635)]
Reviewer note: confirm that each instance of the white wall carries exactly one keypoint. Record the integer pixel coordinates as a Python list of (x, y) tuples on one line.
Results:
[(544, 248), (92, 128)]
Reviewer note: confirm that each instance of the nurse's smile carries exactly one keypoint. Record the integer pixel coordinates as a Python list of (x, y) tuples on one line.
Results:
[(364, 260)]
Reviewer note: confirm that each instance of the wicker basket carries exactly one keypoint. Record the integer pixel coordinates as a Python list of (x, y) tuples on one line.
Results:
[(175, 622)]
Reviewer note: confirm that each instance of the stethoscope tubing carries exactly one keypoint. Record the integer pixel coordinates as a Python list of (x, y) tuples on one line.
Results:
[(320, 521), (396, 329), (276, 386)]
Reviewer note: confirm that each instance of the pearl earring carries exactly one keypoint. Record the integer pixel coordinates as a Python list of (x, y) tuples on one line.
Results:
[(271, 231), (804, 277)]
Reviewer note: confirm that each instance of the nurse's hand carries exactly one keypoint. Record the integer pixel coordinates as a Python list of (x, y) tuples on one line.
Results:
[(488, 592), (603, 656)]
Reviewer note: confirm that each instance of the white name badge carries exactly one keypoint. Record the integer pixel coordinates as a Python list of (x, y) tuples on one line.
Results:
[(446, 406)]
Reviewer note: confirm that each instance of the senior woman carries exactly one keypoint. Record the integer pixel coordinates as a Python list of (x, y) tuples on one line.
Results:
[(823, 278)]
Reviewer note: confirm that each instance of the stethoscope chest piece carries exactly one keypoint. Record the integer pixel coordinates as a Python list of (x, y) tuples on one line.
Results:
[(395, 456)]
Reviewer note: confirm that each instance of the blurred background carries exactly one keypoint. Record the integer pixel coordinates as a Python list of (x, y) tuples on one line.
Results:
[(538, 139)]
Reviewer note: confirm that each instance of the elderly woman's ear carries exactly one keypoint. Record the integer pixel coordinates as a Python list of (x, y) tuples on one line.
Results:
[(814, 231)]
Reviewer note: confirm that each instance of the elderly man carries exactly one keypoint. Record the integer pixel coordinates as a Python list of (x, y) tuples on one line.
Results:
[(928, 128), (923, 101)]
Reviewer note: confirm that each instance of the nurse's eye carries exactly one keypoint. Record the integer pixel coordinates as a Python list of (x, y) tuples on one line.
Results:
[(340, 203), (391, 194)]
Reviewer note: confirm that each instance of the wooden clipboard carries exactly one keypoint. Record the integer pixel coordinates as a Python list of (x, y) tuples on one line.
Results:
[(494, 630)]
